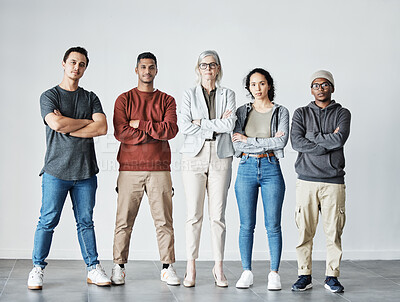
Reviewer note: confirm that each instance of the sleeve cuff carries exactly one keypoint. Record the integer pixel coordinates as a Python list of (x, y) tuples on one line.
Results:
[(142, 125)]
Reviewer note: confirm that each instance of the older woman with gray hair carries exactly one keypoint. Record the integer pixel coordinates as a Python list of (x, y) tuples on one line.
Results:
[(206, 119)]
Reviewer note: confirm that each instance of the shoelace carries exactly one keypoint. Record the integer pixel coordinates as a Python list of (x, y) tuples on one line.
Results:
[(334, 280), (38, 271), (101, 270), (302, 281)]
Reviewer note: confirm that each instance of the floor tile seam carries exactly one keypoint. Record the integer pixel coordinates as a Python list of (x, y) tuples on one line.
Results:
[(252, 290), (376, 274), (342, 296), (8, 278)]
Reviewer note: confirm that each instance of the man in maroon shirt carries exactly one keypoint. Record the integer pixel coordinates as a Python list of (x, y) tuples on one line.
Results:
[(144, 120)]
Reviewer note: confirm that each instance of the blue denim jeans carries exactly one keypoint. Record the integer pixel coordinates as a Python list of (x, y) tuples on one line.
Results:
[(264, 173), (54, 193)]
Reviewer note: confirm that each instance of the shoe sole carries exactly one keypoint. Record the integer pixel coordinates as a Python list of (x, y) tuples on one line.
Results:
[(188, 284), (98, 284), (333, 291), (274, 289), (35, 287), (117, 283), (173, 284), (308, 286), (244, 287)]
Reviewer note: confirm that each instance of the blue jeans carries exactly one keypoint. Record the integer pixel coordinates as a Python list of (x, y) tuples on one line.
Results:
[(54, 193), (265, 173)]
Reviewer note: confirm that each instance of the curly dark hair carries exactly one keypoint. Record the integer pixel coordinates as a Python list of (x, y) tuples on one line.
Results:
[(79, 49), (270, 80)]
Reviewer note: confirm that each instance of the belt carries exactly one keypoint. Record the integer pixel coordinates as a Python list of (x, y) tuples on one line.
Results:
[(259, 155), (210, 139)]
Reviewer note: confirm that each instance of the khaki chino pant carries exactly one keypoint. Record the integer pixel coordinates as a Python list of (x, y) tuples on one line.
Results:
[(158, 187), (329, 199), (206, 172)]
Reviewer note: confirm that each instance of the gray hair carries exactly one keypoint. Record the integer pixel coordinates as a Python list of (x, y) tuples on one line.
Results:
[(215, 55)]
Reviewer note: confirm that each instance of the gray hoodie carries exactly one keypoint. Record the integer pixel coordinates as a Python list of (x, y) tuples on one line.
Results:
[(321, 156), (279, 122)]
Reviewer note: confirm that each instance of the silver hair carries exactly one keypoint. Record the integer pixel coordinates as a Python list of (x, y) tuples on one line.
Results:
[(215, 55)]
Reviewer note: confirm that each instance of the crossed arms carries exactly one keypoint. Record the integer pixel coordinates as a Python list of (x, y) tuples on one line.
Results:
[(83, 128), (318, 143), (138, 131), (204, 126)]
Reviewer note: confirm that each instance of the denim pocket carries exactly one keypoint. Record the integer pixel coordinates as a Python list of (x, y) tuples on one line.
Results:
[(243, 159), (273, 160)]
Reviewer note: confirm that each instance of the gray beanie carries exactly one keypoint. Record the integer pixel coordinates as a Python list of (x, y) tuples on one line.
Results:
[(323, 74)]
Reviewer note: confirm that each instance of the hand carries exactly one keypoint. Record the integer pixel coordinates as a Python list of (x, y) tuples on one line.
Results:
[(336, 130), (226, 114), (57, 112), (279, 134), (237, 137), (197, 122), (134, 123)]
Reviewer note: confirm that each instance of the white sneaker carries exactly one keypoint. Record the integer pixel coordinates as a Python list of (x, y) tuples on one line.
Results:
[(98, 276), (169, 275), (35, 279), (118, 275), (274, 281), (246, 280)]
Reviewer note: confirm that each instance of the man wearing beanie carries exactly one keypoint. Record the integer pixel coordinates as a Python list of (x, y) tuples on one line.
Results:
[(319, 132)]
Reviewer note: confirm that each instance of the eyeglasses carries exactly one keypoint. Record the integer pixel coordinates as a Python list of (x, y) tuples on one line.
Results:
[(212, 65), (324, 85)]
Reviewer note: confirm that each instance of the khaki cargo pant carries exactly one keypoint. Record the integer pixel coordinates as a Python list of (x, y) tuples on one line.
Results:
[(329, 199), (158, 187)]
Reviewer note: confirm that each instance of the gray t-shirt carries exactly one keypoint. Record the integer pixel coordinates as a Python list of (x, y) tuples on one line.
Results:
[(67, 157)]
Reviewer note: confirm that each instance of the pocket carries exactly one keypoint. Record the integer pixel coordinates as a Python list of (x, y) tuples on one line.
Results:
[(341, 218), (297, 216), (274, 160), (243, 160)]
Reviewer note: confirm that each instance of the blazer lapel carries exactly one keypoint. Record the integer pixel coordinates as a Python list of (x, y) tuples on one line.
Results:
[(219, 102), (202, 100)]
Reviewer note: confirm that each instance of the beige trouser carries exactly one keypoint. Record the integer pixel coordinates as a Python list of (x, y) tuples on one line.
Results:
[(206, 171), (312, 197), (158, 187)]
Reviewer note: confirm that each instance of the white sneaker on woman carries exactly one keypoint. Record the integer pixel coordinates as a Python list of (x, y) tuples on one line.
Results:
[(274, 281), (246, 280)]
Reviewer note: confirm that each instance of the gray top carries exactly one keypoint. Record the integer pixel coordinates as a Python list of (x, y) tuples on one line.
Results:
[(321, 156), (67, 157), (256, 145), (258, 124)]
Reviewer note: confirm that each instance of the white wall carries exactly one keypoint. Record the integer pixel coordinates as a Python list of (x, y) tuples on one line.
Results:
[(357, 40)]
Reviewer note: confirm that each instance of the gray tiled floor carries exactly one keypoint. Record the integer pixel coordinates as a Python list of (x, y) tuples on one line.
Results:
[(65, 281)]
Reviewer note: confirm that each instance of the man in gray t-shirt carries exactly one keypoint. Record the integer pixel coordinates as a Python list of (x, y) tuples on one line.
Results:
[(73, 116)]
